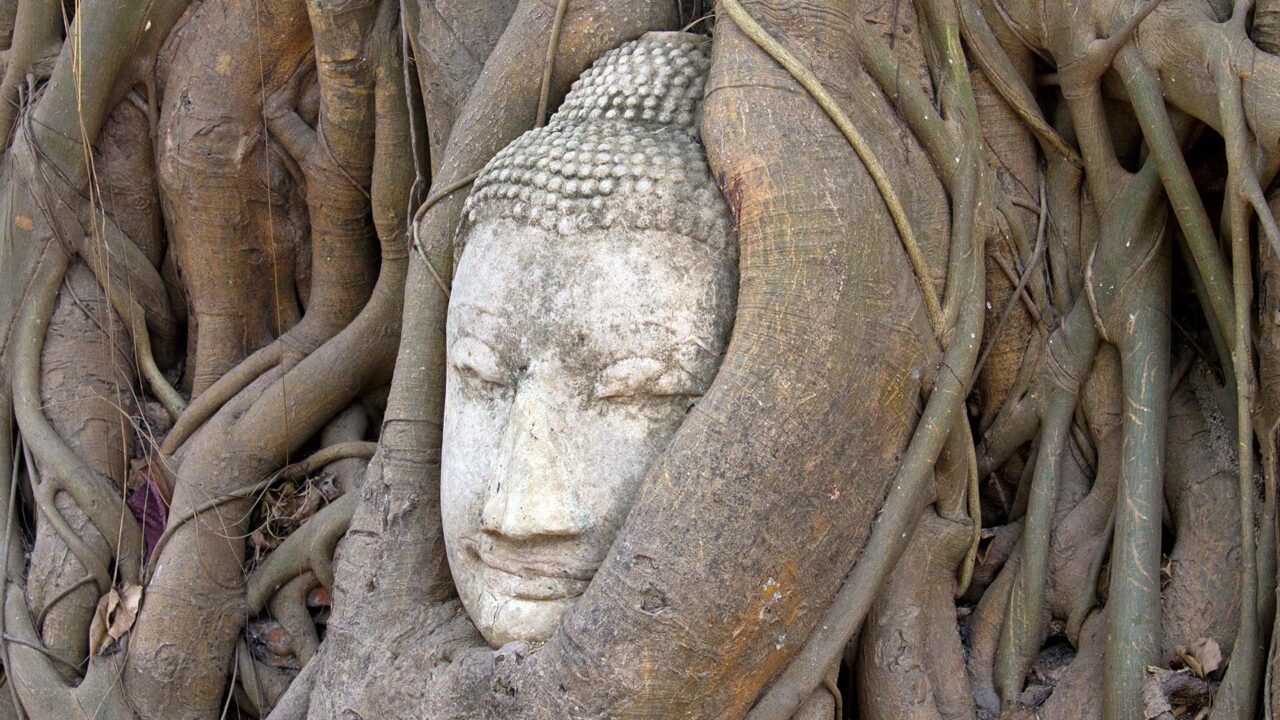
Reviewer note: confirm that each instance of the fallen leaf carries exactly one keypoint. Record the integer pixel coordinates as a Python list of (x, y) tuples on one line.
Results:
[(98, 626), (1170, 694), (114, 617), (1189, 660), (150, 509), (319, 597), (1208, 653)]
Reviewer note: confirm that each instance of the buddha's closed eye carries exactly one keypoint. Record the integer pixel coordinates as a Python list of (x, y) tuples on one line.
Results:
[(646, 377), (480, 365)]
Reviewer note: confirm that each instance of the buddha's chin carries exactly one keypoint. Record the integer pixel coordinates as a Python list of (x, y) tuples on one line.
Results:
[(503, 619)]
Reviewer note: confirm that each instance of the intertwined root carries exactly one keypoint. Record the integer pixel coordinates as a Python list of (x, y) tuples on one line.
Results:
[(933, 221)]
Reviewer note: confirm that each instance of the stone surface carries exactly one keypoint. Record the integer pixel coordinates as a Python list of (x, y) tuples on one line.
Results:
[(621, 152), (592, 302)]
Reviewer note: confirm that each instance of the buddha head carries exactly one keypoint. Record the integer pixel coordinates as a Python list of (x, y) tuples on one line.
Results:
[(592, 300)]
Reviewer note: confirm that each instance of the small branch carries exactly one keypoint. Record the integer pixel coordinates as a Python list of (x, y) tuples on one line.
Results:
[(1023, 630), (48, 605), (427, 204), (1017, 293), (549, 66), (995, 64), (1238, 693), (1147, 99), (95, 565), (974, 497), (294, 135), (361, 449)]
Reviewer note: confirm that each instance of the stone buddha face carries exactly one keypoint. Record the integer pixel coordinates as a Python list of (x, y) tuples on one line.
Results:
[(591, 304)]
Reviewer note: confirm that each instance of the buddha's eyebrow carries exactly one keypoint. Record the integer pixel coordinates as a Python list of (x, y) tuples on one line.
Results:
[(481, 322), (482, 314)]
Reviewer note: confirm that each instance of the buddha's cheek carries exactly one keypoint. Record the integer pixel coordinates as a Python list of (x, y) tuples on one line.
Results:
[(620, 442), (469, 452)]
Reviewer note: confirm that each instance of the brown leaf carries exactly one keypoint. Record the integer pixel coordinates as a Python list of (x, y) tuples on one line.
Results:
[(319, 596), (114, 617), (98, 627), (1208, 654), (1189, 660)]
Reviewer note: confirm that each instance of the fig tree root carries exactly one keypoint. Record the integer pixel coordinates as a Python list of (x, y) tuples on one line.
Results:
[(995, 434)]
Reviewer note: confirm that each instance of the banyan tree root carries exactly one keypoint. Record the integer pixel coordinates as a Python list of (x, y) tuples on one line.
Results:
[(910, 662), (88, 380), (238, 257), (1061, 208), (199, 569), (73, 383)]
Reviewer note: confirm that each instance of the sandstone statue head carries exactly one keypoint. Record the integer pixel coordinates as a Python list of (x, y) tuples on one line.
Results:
[(592, 301)]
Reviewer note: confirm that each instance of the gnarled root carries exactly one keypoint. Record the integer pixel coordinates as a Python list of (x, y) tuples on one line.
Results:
[(86, 380), (910, 662)]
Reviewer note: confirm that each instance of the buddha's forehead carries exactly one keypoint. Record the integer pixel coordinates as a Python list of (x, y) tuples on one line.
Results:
[(613, 292)]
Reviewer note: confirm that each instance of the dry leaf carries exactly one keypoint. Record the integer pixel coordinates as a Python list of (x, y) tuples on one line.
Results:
[(1208, 654), (1169, 694), (1189, 660), (98, 627), (113, 617)]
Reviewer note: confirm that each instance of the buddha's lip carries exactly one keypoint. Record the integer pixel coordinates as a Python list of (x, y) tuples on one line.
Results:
[(530, 580)]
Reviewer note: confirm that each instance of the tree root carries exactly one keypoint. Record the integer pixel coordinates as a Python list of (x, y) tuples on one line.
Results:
[(279, 412), (307, 549), (901, 509), (86, 377), (65, 471), (207, 403), (296, 701), (1238, 695), (259, 686), (866, 154), (1023, 629), (289, 608), (910, 661)]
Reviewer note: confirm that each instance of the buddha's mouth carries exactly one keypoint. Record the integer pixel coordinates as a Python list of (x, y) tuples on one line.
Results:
[(528, 578)]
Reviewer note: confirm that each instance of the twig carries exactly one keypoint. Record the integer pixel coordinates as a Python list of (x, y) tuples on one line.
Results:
[(427, 204), (548, 67), (1017, 290)]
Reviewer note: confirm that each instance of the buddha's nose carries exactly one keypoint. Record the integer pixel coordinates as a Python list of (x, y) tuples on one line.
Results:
[(532, 494)]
